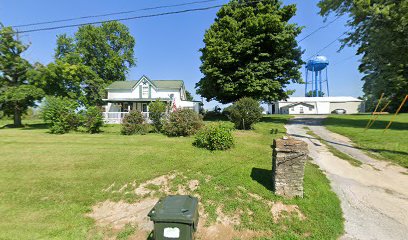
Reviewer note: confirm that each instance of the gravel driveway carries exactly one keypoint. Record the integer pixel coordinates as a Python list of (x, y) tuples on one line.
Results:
[(374, 197)]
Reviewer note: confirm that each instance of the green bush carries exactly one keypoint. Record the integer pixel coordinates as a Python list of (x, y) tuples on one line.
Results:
[(93, 120), (60, 114), (215, 136), (183, 122), (245, 112), (132, 123), (157, 111)]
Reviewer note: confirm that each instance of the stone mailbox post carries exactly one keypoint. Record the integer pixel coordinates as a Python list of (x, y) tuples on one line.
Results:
[(288, 166)]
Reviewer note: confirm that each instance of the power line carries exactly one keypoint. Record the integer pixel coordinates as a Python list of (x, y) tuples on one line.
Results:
[(121, 19), (328, 45), (344, 60), (318, 29), (112, 14)]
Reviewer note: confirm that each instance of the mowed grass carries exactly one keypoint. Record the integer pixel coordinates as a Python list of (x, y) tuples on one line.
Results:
[(391, 145), (49, 182)]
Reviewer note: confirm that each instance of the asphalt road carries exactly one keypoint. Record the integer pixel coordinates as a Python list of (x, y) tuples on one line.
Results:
[(374, 197)]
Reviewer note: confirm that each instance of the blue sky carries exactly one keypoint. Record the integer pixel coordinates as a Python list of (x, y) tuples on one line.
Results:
[(167, 47)]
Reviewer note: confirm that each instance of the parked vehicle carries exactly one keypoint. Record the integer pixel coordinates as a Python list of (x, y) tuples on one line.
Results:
[(339, 111)]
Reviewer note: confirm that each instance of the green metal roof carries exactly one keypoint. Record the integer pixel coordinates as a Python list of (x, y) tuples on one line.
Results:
[(122, 85), (161, 84), (173, 84)]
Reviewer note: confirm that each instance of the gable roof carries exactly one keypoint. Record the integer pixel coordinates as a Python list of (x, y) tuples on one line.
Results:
[(299, 103), (160, 84)]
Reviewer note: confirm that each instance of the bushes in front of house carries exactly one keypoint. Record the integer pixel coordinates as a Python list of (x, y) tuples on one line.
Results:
[(93, 120), (157, 111), (245, 112), (183, 122), (215, 136), (62, 116), (133, 123)]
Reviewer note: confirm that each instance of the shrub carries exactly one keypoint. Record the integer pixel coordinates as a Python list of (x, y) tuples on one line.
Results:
[(245, 112), (93, 120), (132, 123), (215, 116), (60, 114), (183, 122), (215, 136), (157, 111)]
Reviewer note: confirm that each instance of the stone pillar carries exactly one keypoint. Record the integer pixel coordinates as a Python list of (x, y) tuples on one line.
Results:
[(288, 166)]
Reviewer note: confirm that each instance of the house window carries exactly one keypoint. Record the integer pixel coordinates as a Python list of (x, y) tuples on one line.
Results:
[(310, 109), (145, 92), (144, 107), (292, 109)]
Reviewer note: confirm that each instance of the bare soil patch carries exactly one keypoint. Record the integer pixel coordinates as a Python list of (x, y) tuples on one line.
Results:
[(116, 215)]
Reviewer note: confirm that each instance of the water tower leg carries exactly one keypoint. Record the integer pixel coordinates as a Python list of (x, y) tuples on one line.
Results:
[(327, 84), (316, 86), (320, 83), (306, 74)]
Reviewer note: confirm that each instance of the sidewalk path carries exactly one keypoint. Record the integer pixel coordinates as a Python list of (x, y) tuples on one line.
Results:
[(374, 197)]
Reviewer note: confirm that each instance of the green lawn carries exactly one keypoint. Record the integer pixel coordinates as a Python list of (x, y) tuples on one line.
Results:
[(49, 182), (391, 145)]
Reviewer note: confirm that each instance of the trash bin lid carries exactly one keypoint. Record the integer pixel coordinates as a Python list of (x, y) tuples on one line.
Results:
[(175, 208)]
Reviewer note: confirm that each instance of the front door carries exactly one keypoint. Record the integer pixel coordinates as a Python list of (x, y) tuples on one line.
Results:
[(144, 107), (301, 110)]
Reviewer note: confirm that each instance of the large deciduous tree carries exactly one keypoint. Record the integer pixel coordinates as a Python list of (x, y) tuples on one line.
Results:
[(89, 61), (17, 91), (250, 51), (379, 28)]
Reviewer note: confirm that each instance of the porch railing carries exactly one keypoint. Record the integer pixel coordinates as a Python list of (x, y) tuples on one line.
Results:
[(117, 117)]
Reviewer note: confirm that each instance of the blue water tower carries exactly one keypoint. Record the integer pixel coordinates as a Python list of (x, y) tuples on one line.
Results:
[(315, 66)]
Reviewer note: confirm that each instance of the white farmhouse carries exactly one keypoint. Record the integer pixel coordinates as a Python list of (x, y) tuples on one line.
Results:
[(317, 105), (126, 96)]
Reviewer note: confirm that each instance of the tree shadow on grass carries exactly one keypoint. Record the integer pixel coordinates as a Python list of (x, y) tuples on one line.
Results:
[(361, 123), (34, 126), (350, 123), (355, 147), (263, 177), (275, 119)]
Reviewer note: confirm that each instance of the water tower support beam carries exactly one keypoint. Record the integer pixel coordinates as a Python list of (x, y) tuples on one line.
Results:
[(316, 86), (327, 83), (320, 84), (306, 73)]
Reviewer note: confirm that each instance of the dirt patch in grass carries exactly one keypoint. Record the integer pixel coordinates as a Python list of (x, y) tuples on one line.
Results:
[(279, 210), (225, 227), (114, 217), (163, 182)]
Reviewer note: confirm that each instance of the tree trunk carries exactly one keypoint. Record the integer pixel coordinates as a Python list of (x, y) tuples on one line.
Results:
[(17, 116)]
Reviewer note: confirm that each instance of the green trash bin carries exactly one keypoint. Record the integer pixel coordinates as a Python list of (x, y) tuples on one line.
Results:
[(175, 217)]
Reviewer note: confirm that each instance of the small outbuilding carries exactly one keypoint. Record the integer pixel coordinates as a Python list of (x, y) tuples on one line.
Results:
[(317, 105)]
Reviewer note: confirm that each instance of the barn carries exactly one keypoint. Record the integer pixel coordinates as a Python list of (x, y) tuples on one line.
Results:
[(316, 105)]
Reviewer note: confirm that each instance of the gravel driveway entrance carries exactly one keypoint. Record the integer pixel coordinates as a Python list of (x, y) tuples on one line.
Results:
[(374, 197)]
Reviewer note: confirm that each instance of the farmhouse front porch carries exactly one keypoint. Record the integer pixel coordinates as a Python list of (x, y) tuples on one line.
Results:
[(117, 109)]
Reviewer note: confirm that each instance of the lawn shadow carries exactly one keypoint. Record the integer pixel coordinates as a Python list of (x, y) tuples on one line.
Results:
[(263, 177), (361, 123), (274, 119), (351, 146), (35, 126)]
